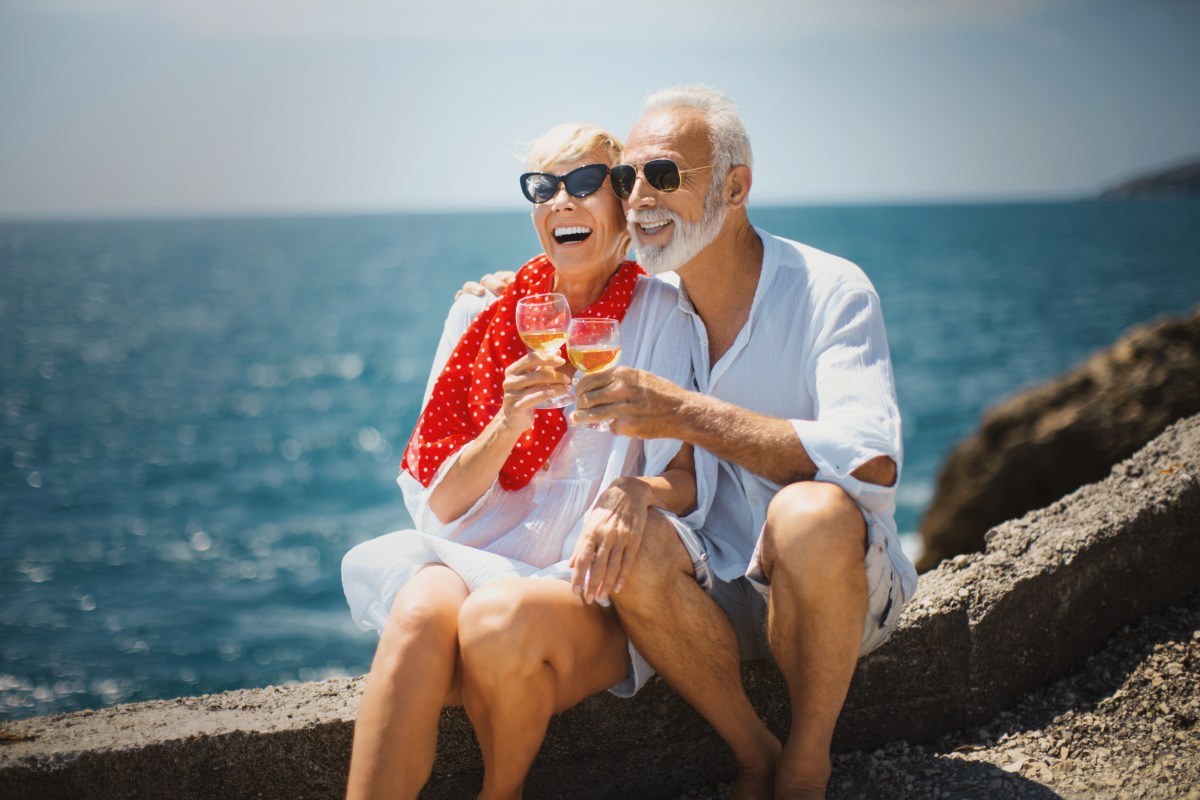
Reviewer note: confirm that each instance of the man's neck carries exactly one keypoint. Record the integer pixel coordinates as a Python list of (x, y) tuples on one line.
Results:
[(721, 281)]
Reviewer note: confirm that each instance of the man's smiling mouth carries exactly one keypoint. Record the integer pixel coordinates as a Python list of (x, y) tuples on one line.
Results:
[(651, 228), (570, 234)]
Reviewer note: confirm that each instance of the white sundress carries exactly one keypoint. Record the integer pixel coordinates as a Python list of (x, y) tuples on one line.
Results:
[(532, 531)]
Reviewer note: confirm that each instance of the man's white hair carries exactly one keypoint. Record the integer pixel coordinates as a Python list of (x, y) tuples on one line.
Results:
[(727, 133)]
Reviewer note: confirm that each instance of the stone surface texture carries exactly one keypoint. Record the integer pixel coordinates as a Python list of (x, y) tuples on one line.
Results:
[(984, 630), (1038, 445)]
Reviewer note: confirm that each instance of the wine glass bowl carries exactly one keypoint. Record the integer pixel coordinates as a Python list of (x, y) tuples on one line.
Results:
[(542, 323)]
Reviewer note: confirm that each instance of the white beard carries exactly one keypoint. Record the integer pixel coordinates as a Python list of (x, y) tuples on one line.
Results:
[(689, 238)]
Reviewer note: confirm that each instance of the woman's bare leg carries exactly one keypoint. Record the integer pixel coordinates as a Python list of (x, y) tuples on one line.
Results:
[(413, 675), (530, 648)]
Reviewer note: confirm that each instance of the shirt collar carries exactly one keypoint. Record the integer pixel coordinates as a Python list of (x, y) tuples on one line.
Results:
[(766, 277)]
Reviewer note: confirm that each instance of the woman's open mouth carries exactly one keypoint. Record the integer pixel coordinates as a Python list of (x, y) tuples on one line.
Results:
[(572, 234)]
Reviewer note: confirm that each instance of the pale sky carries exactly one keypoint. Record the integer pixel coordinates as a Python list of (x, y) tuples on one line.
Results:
[(122, 108)]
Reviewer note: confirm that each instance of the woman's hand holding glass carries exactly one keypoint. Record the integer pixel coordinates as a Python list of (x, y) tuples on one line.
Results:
[(542, 322), (528, 383)]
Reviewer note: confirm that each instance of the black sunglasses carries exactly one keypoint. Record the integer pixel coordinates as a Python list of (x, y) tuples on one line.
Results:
[(538, 187), (661, 173)]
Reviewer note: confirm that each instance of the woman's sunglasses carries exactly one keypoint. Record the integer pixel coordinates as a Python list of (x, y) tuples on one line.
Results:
[(661, 173), (538, 187)]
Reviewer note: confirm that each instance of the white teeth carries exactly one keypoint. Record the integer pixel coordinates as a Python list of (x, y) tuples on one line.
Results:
[(654, 227), (574, 230)]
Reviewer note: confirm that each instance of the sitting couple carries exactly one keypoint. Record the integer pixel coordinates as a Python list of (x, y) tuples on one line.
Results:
[(741, 506)]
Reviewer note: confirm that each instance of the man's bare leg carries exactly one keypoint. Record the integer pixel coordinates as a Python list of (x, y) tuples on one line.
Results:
[(412, 676), (812, 553), (530, 648), (688, 639)]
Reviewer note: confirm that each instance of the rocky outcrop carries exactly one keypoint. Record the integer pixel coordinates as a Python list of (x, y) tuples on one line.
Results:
[(1040, 444), (1181, 181), (983, 629)]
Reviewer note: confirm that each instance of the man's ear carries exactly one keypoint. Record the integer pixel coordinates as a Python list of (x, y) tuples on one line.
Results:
[(737, 185)]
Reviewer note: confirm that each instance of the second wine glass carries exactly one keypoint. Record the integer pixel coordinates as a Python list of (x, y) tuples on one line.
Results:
[(594, 345)]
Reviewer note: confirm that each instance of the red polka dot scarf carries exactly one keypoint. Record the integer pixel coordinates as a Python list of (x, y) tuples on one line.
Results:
[(470, 389)]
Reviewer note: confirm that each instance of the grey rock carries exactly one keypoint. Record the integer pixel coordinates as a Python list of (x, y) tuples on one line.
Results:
[(1038, 445)]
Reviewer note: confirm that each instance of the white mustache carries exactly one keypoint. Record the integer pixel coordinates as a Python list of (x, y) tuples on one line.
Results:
[(633, 215)]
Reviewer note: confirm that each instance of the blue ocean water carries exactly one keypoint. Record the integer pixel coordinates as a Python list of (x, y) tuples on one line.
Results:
[(198, 418)]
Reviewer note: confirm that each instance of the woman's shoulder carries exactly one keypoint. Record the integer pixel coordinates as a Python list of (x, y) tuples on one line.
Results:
[(470, 305)]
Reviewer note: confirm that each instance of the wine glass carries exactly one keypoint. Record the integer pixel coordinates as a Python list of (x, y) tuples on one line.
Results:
[(542, 321), (593, 345)]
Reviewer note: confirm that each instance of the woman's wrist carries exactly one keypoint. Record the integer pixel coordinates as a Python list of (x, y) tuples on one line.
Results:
[(506, 427)]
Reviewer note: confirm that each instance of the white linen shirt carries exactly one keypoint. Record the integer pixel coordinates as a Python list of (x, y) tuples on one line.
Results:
[(813, 351)]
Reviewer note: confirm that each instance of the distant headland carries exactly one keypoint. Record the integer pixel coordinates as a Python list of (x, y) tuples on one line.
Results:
[(1178, 181)]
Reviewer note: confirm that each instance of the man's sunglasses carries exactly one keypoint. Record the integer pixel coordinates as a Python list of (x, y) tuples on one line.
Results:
[(538, 187), (661, 173)]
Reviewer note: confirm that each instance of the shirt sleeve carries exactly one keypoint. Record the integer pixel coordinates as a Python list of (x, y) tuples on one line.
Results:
[(462, 313), (416, 497), (851, 380), (416, 500)]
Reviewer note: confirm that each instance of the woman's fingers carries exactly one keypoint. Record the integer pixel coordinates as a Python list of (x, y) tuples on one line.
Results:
[(535, 363), (542, 376), (533, 379)]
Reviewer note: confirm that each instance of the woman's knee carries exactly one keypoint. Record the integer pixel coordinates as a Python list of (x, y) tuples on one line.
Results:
[(499, 631), (424, 615)]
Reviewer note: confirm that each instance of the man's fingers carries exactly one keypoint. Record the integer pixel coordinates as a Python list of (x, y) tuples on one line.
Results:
[(593, 387), (583, 560), (597, 572), (612, 572), (497, 282), (628, 556), (470, 287)]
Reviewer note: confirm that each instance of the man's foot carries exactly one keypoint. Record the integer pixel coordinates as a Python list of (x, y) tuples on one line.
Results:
[(803, 779), (754, 784), (756, 779), (803, 794), (801, 775)]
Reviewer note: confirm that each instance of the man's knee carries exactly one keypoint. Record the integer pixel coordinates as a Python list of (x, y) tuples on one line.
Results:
[(661, 558), (814, 526)]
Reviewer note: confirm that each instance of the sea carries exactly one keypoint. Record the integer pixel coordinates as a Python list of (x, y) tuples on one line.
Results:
[(199, 417)]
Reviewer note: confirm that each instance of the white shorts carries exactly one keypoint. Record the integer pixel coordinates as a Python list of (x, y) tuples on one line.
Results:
[(744, 599)]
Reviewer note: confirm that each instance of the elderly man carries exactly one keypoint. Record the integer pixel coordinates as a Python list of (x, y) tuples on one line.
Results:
[(799, 560)]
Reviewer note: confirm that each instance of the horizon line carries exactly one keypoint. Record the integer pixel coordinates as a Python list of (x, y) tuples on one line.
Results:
[(231, 214)]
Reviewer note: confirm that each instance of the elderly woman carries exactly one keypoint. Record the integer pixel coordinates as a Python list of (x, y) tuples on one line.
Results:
[(476, 607)]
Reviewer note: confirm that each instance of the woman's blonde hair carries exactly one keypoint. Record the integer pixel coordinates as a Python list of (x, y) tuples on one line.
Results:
[(570, 141)]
